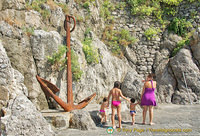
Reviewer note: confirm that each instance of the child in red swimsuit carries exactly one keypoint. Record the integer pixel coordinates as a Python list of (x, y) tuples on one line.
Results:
[(102, 110), (116, 93)]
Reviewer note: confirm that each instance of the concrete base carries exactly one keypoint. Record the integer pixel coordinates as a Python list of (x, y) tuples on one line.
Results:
[(57, 118)]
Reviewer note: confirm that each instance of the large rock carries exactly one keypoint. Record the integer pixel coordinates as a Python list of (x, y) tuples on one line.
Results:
[(19, 51), (44, 44), (13, 17), (170, 41), (14, 4), (183, 97), (195, 46), (57, 17), (33, 19), (166, 83), (21, 118), (82, 120), (130, 55), (132, 85), (184, 67), (99, 77)]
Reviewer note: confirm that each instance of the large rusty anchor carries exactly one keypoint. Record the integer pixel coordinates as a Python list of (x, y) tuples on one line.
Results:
[(50, 89)]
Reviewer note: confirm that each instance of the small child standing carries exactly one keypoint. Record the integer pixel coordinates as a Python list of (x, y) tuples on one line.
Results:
[(102, 110), (132, 109)]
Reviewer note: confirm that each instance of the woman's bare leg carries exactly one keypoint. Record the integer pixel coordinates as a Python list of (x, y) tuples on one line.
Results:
[(119, 115), (144, 113), (151, 115), (113, 116)]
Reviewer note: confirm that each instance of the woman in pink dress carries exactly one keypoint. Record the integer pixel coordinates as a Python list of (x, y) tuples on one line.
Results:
[(148, 98)]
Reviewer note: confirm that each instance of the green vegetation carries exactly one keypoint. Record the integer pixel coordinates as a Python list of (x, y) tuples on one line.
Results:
[(152, 32), (91, 54), (117, 39), (36, 5), (120, 5), (57, 58), (28, 31), (85, 4), (105, 11), (179, 26), (64, 7), (160, 9), (180, 45), (76, 71), (59, 62)]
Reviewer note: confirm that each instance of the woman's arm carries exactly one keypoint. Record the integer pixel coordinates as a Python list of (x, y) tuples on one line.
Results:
[(109, 98), (120, 93)]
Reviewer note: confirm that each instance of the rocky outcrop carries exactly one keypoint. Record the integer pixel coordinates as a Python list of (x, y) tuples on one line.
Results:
[(170, 41), (33, 19), (164, 76), (57, 17), (45, 44), (195, 45), (13, 4), (187, 75), (19, 51), (132, 85), (99, 77), (22, 116)]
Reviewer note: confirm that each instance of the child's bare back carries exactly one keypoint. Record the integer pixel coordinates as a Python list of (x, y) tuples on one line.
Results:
[(133, 110), (104, 105)]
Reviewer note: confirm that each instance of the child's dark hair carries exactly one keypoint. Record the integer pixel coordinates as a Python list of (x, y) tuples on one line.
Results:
[(105, 99), (132, 100), (117, 84)]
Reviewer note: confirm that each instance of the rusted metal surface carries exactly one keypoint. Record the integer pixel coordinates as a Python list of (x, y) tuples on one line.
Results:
[(50, 89)]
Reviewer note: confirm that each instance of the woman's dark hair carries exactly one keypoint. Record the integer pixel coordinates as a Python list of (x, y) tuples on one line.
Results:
[(132, 100), (151, 75), (117, 84), (105, 99)]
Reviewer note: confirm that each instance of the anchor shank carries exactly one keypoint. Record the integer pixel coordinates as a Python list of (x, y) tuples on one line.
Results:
[(69, 72)]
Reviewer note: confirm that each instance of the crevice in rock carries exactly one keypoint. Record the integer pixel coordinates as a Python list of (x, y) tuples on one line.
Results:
[(193, 58), (171, 72)]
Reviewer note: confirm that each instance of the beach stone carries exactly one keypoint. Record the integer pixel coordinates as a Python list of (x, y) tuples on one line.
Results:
[(82, 120)]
